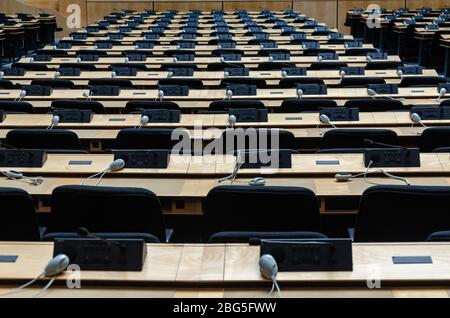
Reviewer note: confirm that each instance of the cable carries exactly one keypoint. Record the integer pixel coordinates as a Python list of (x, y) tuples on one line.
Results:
[(116, 165), (45, 288), (18, 289), (18, 176), (238, 164), (383, 172)]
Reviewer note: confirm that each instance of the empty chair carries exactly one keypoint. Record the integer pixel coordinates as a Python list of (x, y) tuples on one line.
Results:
[(92, 52), (327, 65), (94, 106), (107, 210), (410, 81), (291, 82), (434, 137), (375, 104), (268, 52), (258, 82), (445, 103), (31, 66), (6, 84), (237, 213), (440, 236), (133, 52), (137, 66), (122, 83), (148, 138), (16, 107), (81, 66), (224, 105), (359, 51), (54, 83), (384, 65), (314, 52), (256, 138), (190, 82), (354, 138), (18, 219), (53, 53), (360, 81), (166, 66), (43, 139), (400, 213), (222, 66), (171, 53), (305, 105), (274, 66), (136, 106), (220, 52)]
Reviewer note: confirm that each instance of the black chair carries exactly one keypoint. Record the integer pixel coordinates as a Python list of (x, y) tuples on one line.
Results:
[(94, 106), (31, 66), (274, 66), (53, 53), (43, 139), (137, 66), (216, 67), (327, 65), (148, 138), (190, 82), (315, 52), (6, 84), (219, 52), (19, 218), (242, 139), (292, 82), (131, 211), (122, 83), (224, 105), (16, 107), (434, 137), (304, 105), (445, 103), (171, 53), (166, 66), (268, 52), (385, 65), (399, 213), (354, 138), (81, 66), (441, 236), (359, 51), (259, 212), (140, 52), (360, 81), (54, 83), (91, 52), (375, 104), (411, 81), (138, 105), (258, 82)]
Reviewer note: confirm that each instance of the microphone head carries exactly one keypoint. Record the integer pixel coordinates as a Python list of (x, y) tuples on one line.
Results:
[(169, 74), (57, 265), (319, 58), (95, 47), (86, 94), (341, 177), (126, 59), (136, 47), (78, 60), (442, 91), (232, 119), (160, 93), (268, 266), (23, 93), (371, 92), (229, 93), (55, 120), (31, 59), (57, 74), (271, 58), (113, 74), (369, 58), (117, 165), (175, 59), (324, 119), (226, 74), (221, 59), (144, 120), (284, 74), (178, 47), (400, 73), (219, 46), (342, 73), (2, 74), (415, 117), (299, 93)]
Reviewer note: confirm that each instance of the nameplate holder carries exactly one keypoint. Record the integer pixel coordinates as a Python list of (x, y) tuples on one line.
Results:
[(249, 114), (162, 115), (174, 90), (80, 162), (8, 258), (327, 162), (242, 89), (33, 158), (392, 157), (137, 159), (266, 158), (310, 255), (397, 260), (103, 255), (341, 113), (73, 115)]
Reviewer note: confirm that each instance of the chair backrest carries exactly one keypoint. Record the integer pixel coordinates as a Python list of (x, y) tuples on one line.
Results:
[(314, 52), (148, 138), (54, 83), (31, 66), (273, 66), (396, 213), (166, 66), (258, 208), (256, 138), (360, 81), (354, 138), (106, 209), (6, 84), (440, 236), (434, 137), (327, 65), (386, 65), (138, 105), (375, 104), (305, 105), (18, 218), (268, 52), (94, 106), (16, 107), (219, 52), (137, 66), (224, 105), (259, 82), (359, 51), (81, 66), (123, 83), (291, 82), (43, 139), (422, 81), (190, 82), (92, 52)]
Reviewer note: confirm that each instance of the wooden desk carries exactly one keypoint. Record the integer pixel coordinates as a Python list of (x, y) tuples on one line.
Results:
[(232, 270)]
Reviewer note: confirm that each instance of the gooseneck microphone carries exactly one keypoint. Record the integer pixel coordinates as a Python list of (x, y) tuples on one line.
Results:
[(442, 93), (269, 269), (373, 94), (84, 232), (238, 164), (22, 94), (160, 95), (19, 176), (231, 121), (116, 165), (55, 121), (370, 142), (415, 117), (144, 121)]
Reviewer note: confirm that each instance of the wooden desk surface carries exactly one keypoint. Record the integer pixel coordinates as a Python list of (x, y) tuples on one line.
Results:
[(214, 265)]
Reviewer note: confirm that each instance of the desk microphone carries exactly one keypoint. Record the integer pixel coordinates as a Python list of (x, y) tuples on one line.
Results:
[(2, 74), (160, 95), (113, 74), (238, 164), (116, 165), (87, 94), (56, 75), (144, 121), (17, 176), (324, 119), (373, 94), (299, 93), (55, 121), (126, 59), (319, 58), (442, 93), (415, 117), (22, 94), (84, 232), (342, 74), (400, 73), (175, 60), (269, 269), (78, 60), (369, 58), (284, 74), (229, 94), (232, 121), (169, 74)]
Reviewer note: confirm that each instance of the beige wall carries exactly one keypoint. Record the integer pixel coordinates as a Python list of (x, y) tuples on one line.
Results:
[(331, 12)]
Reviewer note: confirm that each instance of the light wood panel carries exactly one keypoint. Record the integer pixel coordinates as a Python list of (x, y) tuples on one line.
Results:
[(322, 10), (98, 9), (256, 5), (187, 5)]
